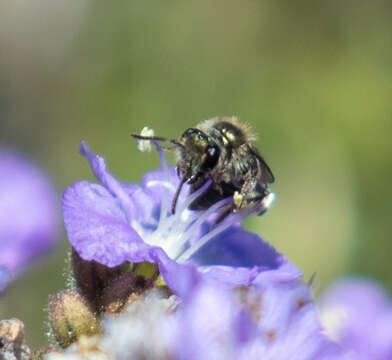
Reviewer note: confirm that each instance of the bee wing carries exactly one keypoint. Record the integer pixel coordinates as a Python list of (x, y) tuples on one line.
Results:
[(266, 175)]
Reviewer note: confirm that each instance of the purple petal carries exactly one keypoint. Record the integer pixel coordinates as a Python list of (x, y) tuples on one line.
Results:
[(206, 321), (181, 278), (238, 248), (286, 273), (158, 180), (305, 333), (146, 207), (98, 228), (164, 185), (28, 212), (282, 301), (237, 257), (289, 323), (98, 166), (230, 276)]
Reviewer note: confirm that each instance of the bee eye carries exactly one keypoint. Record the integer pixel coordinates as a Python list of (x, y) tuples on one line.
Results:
[(202, 138), (212, 156), (189, 133)]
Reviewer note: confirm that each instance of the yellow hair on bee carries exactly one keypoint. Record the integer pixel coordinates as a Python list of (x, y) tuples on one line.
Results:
[(247, 134)]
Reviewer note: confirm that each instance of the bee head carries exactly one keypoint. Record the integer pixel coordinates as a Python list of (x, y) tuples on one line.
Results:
[(199, 149)]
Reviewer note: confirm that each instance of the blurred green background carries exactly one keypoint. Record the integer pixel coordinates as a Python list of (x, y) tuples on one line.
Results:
[(313, 78)]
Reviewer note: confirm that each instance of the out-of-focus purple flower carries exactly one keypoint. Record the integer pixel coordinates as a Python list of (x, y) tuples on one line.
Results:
[(273, 319), (116, 222), (4, 278), (28, 213), (357, 313)]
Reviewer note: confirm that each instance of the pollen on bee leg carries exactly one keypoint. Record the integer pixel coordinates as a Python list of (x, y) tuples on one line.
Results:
[(145, 145), (238, 199), (268, 201)]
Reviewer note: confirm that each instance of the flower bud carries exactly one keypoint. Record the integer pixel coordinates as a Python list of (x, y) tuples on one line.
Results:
[(71, 317)]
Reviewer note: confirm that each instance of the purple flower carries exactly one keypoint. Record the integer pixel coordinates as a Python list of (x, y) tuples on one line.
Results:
[(357, 313), (28, 214), (273, 319), (114, 222), (4, 278)]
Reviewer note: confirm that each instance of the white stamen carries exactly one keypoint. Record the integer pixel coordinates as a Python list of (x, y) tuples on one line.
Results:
[(167, 185), (217, 230), (145, 145), (189, 229), (222, 226), (165, 169), (175, 232), (194, 195), (206, 214), (181, 219)]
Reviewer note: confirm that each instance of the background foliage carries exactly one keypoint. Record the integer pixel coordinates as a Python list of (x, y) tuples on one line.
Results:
[(313, 78)]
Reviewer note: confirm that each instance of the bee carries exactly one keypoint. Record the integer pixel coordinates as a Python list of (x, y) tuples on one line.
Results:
[(221, 150)]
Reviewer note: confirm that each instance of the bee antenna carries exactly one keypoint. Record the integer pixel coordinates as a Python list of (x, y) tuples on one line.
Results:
[(157, 138), (154, 138)]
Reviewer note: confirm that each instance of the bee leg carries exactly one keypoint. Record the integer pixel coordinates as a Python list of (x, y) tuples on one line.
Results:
[(242, 197), (258, 201), (265, 205), (177, 194)]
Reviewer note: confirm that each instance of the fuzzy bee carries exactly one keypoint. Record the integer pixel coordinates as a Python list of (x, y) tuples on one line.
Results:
[(220, 150)]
